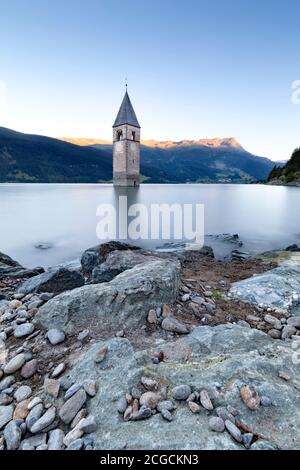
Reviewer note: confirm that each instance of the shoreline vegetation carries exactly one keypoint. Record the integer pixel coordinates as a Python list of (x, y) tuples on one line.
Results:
[(288, 175), (133, 341)]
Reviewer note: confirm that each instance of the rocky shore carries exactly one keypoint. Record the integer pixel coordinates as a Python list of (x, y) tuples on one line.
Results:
[(146, 350)]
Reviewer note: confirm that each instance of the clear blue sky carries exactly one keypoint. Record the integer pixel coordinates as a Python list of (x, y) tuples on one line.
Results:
[(195, 68)]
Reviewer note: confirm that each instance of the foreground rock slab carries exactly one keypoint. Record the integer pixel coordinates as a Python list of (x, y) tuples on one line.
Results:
[(220, 360)]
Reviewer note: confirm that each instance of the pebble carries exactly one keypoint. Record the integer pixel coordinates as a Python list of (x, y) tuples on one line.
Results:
[(72, 436), (23, 330), (58, 370), (288, 331), (100, 354), (66, 383), (185, 297), (15, 364), (265, 401), (46, 296), (120, 334), (174, 326), (72, 390), (52, 386), (244, 324), (44, 421), (56, 336), (56, 438), (294, 321), (83, 335), (149, 384), (80, 415), (166, 414), (225, 414), (122, 405), (90, 387), (71, 407), (205, 400), (14, 304), (152, 317), (5, 399), (34, 415), (282, 374), (12, 435), (7, 382), (6, 414), (29, 369), (216, 424), (181, 392), (262, 444), (166, 405), (194, 407), (250, 397), (21, 410), (275, 334), (233, 431), (35, 304), (22, 393), (149, 399), (35, 401), (75, 445), (88, 425), (247, 440)]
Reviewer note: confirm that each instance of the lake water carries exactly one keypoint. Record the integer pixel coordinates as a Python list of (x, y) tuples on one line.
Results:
[(64, 216)]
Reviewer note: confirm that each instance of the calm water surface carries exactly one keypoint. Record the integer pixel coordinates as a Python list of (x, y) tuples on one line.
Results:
[(64, 216)]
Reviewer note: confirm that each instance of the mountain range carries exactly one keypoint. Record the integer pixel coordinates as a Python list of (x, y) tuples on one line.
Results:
[(34, 158)]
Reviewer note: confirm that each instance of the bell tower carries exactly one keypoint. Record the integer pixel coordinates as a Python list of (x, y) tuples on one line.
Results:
[(126, 146)]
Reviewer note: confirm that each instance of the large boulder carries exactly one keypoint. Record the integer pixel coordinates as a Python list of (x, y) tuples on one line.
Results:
[(55, 280), (279, 287), (96, 255), (123, 302), (220, 360), (117, 262), (11, 268)]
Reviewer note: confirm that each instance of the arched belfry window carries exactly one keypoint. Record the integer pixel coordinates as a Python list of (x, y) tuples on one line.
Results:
[(133, 135), (119, 135)]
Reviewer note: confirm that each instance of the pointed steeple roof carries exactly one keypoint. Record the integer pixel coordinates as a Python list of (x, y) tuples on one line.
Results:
[(126, 114)]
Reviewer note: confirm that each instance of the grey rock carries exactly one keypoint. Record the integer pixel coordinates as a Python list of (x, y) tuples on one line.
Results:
[(181, 392), (56, 438), (294, 322), (173, 325), (71, 407), (58, 370), (34, 441), (23, 330), (90, 387), (22, 393), (44, 421), (228, 354), (166, 415), (247, 440), (265, 401), (288, 331), (97, 255), (35, 401), (142, 413), (205, 400), (149, 399), (12, 435), (34, 415), (233, 431), (75, 445), (145, 286), (56, 280), (166, 405), (88, 425), (11, 268), (275, 334), (72, 390), (6, 414), (122, 405), (261, 444), (216, 424), (29, 369), (14, 364), (55, 336), (273, 288), (7, 382)]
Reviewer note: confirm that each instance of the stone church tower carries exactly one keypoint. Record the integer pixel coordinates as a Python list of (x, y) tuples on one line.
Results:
[(126, 146)]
